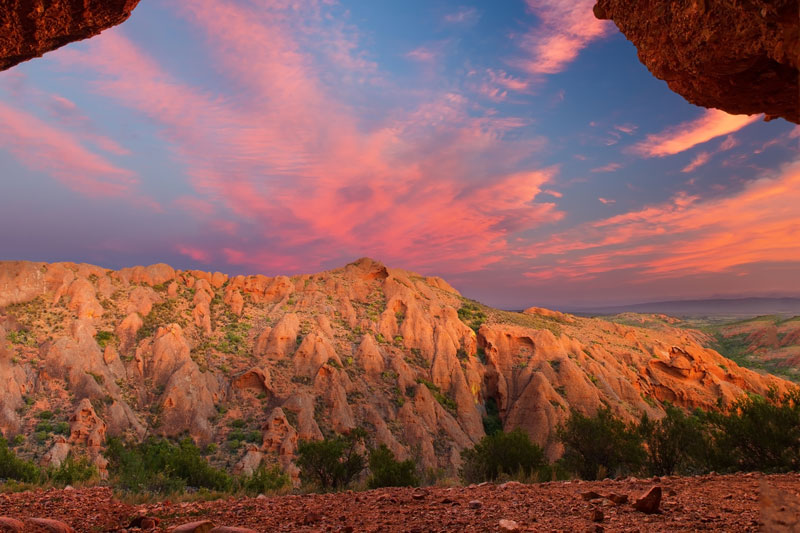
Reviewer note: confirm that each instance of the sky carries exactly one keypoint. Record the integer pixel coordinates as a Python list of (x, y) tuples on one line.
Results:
[(518, 149)]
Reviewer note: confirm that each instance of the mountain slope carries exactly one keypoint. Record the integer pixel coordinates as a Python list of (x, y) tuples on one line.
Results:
[(255, 363)]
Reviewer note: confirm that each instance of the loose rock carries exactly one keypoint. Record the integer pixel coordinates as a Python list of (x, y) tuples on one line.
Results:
[(649, 503), (11, 525), (52, 526), (201, 526), (508, 525)]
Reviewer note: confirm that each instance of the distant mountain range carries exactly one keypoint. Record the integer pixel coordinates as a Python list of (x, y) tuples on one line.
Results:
[(719, 307)]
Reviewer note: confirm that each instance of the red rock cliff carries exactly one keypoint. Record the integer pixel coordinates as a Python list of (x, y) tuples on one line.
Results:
[(740, 56), (30, 28)]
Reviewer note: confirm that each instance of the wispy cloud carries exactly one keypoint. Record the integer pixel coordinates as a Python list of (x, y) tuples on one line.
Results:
[(713, 123), (611, 167), (565, 28), (423, 54), (700, 159), (57, 152), (287, 159), (463, 16), (687, 235)]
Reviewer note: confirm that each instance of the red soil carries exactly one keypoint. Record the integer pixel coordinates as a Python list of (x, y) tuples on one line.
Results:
[(710, 503)]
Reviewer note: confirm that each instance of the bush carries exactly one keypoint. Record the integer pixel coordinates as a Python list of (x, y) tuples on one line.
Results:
[(600, 446), (757, 433), (492, 423), (512, 454), (331, 463), (12, 467), (472, 314), (265, 480), (104, 338), (160, 466), (386, 471), (674, 443), (72, 472)]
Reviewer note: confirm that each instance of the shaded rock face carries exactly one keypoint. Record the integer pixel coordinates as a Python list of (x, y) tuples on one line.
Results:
[(738, 56), (30, 28), (123, 354)]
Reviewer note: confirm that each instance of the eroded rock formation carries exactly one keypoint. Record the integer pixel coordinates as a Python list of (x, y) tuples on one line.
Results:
[(30, 28), (738, 56), (126, 354)]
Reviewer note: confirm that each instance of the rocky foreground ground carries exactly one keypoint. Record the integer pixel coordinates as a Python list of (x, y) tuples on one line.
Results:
[(704, 503)]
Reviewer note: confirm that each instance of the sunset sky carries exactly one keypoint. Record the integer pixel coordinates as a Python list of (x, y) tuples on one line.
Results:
[(522, 152)]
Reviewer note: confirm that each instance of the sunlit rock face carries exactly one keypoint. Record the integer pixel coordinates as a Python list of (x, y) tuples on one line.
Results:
[(268, 362), (741, 57), (30, 28)]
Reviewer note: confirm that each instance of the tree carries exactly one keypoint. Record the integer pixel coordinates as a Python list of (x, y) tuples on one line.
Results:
[(12, 467), (674, 443), (758, 433), (331, 463), (600, 445), (162, 467), (511, 453), (73, 472), (265, 480), (386, 471)]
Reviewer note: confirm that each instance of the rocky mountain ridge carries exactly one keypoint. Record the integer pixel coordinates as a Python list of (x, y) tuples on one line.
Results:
[(253, 364)]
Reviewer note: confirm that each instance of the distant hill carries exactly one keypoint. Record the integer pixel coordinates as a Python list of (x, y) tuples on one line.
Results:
[(722, 308)]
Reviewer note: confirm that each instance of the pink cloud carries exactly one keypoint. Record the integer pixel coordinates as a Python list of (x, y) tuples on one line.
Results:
[(687, 235), (463, 15), (422, 54), (611, 167), (713, 123), (196, 254), (46, 148), (701, 159), (628, 129), (564, 29), (284, 164), (507, 81)]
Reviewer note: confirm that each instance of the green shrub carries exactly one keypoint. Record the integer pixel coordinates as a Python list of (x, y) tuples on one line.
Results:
[(674, 443), (601, 445), (236, 434), (386, 471), (492, 423), (14, 468), (265, 480), (443, 399), (331, 463), (104, 338), (512, 454), (160, 466), (757, 433), (472, 314), (72, 472), (44, 426), (253, 436), (22, 337)]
